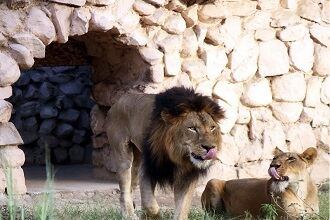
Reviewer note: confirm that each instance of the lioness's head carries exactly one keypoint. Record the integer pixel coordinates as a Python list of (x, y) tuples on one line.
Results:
[(187, 127), (288, 167)]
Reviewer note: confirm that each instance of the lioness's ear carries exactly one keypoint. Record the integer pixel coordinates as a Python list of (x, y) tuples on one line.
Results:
[(309, 155), (277, 151)]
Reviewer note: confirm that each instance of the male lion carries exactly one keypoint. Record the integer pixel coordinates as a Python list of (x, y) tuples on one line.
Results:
[(290, 189), (177, 132)]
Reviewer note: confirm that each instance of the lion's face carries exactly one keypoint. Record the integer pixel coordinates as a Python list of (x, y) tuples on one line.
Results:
[(288, 167), (196, 139)]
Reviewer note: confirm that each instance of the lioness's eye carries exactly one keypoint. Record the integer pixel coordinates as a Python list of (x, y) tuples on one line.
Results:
[(291, 158), (193, 129)]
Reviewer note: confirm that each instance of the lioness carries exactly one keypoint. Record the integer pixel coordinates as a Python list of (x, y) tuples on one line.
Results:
[(290, 189), (178, 133)]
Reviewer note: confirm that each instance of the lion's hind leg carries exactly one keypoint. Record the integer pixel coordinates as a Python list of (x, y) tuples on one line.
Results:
[(212, 196)]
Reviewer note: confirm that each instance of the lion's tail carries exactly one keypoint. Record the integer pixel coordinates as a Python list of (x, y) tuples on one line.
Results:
[(212, 197)]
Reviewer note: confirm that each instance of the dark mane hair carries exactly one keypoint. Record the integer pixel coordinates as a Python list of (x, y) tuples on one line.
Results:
[(174, 102)]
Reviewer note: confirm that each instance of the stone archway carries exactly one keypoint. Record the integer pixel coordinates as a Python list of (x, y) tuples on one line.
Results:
[(242, 53)]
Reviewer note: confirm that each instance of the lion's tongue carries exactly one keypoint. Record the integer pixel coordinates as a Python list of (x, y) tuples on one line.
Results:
[(211, 154), (272, 172)]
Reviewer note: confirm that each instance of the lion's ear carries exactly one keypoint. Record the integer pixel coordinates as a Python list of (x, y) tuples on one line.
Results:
[(277, 151), (309, 155)]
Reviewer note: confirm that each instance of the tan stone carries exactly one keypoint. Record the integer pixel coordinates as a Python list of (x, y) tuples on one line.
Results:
[(290, 87), (189, 43), (226, 92), (219, 171), (3, 183), (229, 153), (80, 21), (71, 2), (326, 12), (18, 180), (6, 92), (268, 4), (9, 135), (32, 43), (102, 19), (287, 112), (243, 60), (293, 33), (195, 68), (299, 137), (241, 8), (11, 156), (230, 32), (313, 97), (151, 55), (61, 16), (136, 38), (321, 63), (205, 88), (174, 24), (157, 18), (284, 18), (201, 32), (172, 63), (260, 118), (321, 115), (128, 23), (289, 4), (157, 2), (5, 111), (325, 91), (321, 34), (259, 20), (40, 25), (190, 15), (9, 71), (273, 58), (211, 12), (215, 60), (3, 40), (228, 122), (257, 93), (309, 10), (157, 73), (302, 54), (265, 34), (256, 169), (101, 2), (244, 115), (168, 42), (273, 136), (176, 5), (320, 168), (143, 8), (22, 55), (10, 21)]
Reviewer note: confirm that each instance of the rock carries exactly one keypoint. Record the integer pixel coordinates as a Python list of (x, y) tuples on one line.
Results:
[(299, 137), (205, 88), (22, 55), (9, 135), (151, 55), (195, 68), (29, 137), (172, 63), (11, 156), (273, 136), (259, 20), (64, 130), (313, 97), (97, 120), (5, 111), (37, 76), (321, 115), (215, 60), (47, 91), (157, 2), (168, 42), (273, 58), (84, 101), (30, 124), (176, 5), (229, 153), (309, 10), (47, 126), (3, 184), (226, 92), (174, 24), (101, 2), (31, 42), (200, 32), (325, 13), (307, 115), (61, 16), (265, 34), (143, 8), (102, 19), (136, 38), (60, 78), (321, 34), (61, 155), (319, 170), (10, 22), (157, 18), (84, 120), (71, 2), (189, 43), (325, 91), (157, 73), (31, 92), (268, 4), (76, 154), (190, 15), (79, 136), (257, 93), (16, 4), (70, 115), (71, 88), (29, 109), (322, 135), (302, 54), (80, 21), (244, 58), (287, 112), (9, 71), (242, 9), (289, 88), (293, 33), (48, 111), (284, 18), (230, 32), (321, 64), (244, 115), (228, 122), (18, 181), (213, 36), (289, 4), (210, 12), (40, 25), (3, 40)]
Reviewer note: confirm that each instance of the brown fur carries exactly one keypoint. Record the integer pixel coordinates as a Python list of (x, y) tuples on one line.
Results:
[(292, 199)]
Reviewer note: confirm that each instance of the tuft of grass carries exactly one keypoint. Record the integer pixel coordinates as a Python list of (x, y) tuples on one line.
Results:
[(268, 211), (324, 199)]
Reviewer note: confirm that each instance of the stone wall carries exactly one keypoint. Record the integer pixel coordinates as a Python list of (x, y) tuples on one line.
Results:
[(265, 62)]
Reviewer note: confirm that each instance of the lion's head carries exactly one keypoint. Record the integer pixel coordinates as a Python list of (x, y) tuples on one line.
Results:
[(288, 167), (184, 130)]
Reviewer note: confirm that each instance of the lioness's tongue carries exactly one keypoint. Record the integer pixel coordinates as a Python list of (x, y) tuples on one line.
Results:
[(272, 172), (211, 154)]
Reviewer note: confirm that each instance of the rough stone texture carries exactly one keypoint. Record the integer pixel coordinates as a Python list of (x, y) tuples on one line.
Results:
[(290, 87), (325, 91), (172, 63), (189, 43), (61, 16), (299, 137), (215, 60), (100, 2), (151, 55), (80, 21), (11, 156), (5, 111), (321, 34), (293, 33), (309, 10), (10, 22), (244, 58), (190, 15), (143, 8), (18, 181), (40, 25), (265, 34), (9, 135), (230, 32), (321, 64), (174, 24), (287, 112), (22, 55), (325, 13), (284, 18), (313, 96), (32, 43), (273, 58), (226, 92), (9, 71), (230, 119), (5, 92), (273, 136), (257, 93), (70, 2), (302, 54)]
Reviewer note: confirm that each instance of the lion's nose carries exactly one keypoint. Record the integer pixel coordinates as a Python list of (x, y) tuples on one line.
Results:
[(275, 165), (207, 147)]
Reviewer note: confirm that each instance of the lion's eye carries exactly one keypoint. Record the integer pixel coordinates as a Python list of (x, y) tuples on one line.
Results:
[(193, 129), (291, 159), (213, 128)]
